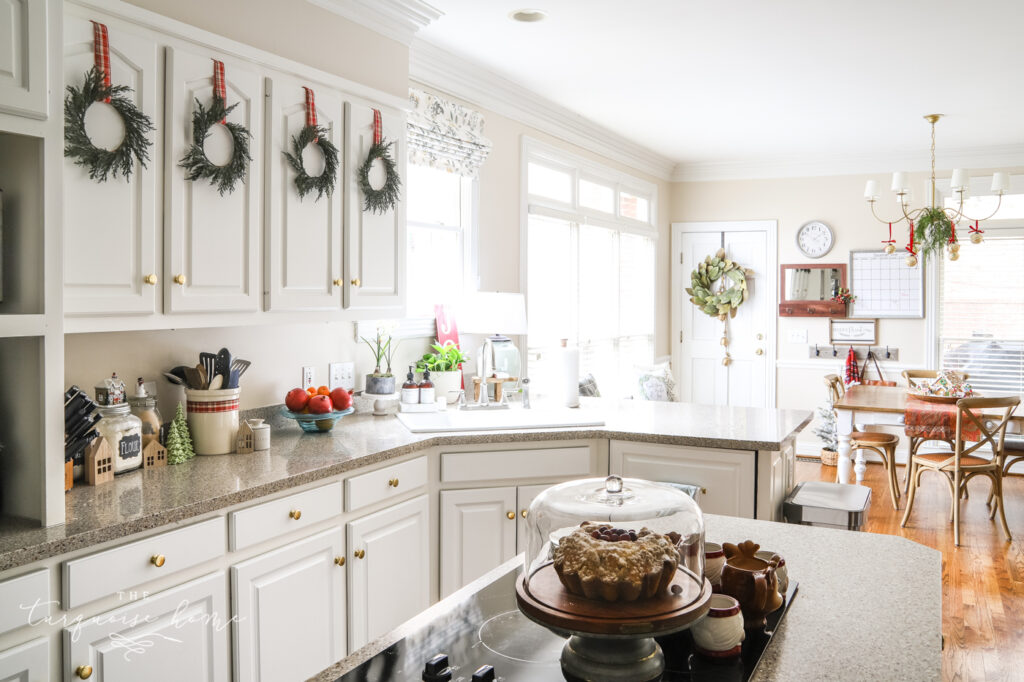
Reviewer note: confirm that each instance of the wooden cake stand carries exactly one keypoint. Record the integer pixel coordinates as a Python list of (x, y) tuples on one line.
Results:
[(611, 641)]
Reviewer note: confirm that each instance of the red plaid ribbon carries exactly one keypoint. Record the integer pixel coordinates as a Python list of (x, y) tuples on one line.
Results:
[(936, 421), (101, 52), (219, 89), (377, 132), (215, 406), (310, 109), (891, 240)]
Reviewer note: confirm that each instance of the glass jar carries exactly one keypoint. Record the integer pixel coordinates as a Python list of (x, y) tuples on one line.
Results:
[(123, 431), (144, 407)]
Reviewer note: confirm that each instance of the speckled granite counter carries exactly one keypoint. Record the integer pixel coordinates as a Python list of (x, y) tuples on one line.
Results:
[(148, 499), (869, 607)]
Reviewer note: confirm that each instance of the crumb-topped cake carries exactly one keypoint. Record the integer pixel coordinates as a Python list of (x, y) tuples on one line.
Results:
[(600, 561)]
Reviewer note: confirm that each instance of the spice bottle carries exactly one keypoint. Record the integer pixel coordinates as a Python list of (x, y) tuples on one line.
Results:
[(426, 389), (143, 406), (410, 389), (123, 431)]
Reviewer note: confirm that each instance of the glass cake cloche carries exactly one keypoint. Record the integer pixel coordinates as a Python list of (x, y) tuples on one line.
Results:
[(616, 539)]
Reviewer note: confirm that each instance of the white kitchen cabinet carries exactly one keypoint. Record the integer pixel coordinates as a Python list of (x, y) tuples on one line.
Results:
[(179, 634), (389, 569), (524, 497), (111, 239), (374, 243), (23, 57), (478, 533), (727, 476), (289, 608), (303, 269), (29, 662), (212, 243)]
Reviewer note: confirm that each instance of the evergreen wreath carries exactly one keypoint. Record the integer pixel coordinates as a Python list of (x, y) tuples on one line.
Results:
[(724, 303), (380, 200), (932, 231), (201, 168), (324, 183), (102, 163)]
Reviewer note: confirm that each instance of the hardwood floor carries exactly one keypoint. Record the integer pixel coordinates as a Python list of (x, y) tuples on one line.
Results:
[(982, 580)]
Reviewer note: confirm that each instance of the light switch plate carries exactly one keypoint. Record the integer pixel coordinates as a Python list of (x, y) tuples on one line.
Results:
[(342, 374), (798, 336), (308, 377)]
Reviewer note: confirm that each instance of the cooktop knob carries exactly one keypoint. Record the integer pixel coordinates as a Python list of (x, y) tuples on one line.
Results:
[(484, 673), (437, 670)]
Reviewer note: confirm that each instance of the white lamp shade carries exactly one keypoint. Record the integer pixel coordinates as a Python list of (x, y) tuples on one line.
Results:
[(1000, 182), (899, 181), (493, 313), (959, 179), (871, 190)]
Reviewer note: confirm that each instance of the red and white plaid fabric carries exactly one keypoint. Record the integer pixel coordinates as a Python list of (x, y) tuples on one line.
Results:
[(936, 421), (310, 109), (377, 127), (215, 406), (101, 52), (851, 373), (220, 90)]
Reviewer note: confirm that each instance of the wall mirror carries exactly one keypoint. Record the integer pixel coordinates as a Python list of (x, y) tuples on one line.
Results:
[(806, 289)]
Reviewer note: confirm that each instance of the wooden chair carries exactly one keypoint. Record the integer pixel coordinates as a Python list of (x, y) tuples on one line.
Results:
[(883, 444), (960, 466), (910, 376)]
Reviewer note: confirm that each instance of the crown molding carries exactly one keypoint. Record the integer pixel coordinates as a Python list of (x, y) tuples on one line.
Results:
[(804, 166), (437, 68), (395, 19)]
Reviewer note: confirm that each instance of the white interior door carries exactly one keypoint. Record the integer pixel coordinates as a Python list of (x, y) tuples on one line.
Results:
[(702, 378), (748, 371)]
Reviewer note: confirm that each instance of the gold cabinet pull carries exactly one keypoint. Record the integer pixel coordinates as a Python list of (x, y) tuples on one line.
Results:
[(393, 482), (338, 282), (759, 351), (157, 560), (150, 279), (524, 512), (360, 553), (180, 279), (295, 514), (84, 671), (510, 515), (356, 282), (339, 561), (703, 491)]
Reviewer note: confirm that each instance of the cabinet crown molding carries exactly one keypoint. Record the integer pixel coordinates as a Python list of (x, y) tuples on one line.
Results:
[(395, 19)]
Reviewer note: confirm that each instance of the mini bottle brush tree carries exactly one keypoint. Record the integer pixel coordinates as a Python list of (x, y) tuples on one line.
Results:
[(179, 440), (826, 429)]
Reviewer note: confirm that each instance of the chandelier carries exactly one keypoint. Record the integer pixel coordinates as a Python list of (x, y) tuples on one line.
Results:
[(933, 226)]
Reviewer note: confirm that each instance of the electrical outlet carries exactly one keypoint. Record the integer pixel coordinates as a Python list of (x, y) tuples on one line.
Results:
[(308, 377), (342, 374), (798, 336)]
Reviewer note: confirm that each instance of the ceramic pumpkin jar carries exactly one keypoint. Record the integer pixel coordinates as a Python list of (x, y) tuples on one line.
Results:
[(751, 581)]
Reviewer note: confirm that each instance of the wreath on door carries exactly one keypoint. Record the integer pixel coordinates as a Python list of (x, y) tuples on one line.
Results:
[(313, 133), (708, 291), (382, 199)]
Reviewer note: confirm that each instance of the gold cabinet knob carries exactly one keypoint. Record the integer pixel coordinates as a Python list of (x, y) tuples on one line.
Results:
[(360, 553), (295, 514), (393, 482), (759, 351), (338, 282), (180, 279), (510, 515), (703, 491), (157, 560), (150, 279), (84, 671), (523, 513), (356, 282), (339, 561)]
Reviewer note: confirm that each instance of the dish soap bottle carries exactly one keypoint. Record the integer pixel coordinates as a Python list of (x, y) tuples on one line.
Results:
[(426, 389), (410, 389)]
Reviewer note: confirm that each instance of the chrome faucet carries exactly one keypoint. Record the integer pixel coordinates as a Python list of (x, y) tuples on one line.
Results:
[(526, 393)]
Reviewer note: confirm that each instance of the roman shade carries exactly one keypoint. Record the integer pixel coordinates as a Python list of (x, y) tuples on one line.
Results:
[(445, 135)]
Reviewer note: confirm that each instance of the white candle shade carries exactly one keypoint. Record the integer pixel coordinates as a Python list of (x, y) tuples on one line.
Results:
[(871, 190), (1000, 182), (959, 179), (899, 181)]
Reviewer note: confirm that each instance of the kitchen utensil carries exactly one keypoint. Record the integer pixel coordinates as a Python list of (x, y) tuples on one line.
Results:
[(179, 372), (209, 363), (751, 581), (241, 365), (204, 377), (223, 364), (175, 379), (193, 379), (233, 378), (316, 423), (217, 383)]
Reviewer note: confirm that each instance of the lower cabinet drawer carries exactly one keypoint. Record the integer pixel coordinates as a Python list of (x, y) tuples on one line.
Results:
[(24, 597), (516, 464), (130, 565), (284, 515), (383, 484)]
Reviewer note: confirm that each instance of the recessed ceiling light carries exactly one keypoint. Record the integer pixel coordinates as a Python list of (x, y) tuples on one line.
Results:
[(528, 15)]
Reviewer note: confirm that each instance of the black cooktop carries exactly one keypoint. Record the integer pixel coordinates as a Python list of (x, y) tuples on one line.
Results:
[(488, 629)]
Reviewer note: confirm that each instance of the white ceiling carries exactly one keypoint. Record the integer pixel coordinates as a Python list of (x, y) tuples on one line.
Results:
[(756, 84)]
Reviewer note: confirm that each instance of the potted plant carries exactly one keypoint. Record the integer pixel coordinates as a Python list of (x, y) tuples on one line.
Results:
[(444, 365), (828, 434), (381, 382)]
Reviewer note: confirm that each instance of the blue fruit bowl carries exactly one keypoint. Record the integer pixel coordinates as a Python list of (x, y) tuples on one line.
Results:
[(317, 423)]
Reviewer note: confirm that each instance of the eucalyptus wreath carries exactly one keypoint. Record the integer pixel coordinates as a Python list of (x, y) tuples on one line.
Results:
[(380, 200), (201, 168), (102, 163), (932, 231), (324, 183), (702, 280)]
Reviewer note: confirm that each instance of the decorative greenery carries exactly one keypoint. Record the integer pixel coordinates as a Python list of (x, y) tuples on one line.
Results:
[(932, 231), (446, 358), (179, 440), (380, 200), (324, 183), (826, 430), (201, 168), (382, 349), (724, 303), (102, 163), (844, 296)]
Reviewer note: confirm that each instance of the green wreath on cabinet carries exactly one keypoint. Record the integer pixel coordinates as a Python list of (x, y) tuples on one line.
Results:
[(195, 161), (304, 182)]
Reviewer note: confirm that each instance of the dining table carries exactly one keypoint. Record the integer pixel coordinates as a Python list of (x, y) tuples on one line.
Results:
[(878, 406)]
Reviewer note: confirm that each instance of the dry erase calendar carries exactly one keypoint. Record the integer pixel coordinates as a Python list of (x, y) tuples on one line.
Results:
[(885, 286)]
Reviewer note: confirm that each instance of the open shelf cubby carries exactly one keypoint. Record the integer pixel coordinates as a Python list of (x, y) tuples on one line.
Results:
[(21, 232)]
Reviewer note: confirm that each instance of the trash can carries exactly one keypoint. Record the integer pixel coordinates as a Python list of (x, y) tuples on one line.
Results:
[(829, 505)]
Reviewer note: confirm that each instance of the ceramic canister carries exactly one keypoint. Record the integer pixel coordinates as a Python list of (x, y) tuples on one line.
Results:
[(781, 573), (720, 633), (714, 560), (260, 434), (213, 420)]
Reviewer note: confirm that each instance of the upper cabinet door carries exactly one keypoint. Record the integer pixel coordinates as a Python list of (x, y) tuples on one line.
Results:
[(304, 234), (23, 57), (211, 242), (374, 243), (111, 247)]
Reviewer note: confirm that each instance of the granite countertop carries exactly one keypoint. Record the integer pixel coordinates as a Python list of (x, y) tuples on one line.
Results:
[(147, 499), (869, 607)]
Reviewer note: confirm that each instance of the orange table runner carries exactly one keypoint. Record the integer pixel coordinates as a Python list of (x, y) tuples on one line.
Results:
[(936, 421)]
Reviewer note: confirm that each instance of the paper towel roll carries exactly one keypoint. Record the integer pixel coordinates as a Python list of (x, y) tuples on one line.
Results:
[(570, 375)]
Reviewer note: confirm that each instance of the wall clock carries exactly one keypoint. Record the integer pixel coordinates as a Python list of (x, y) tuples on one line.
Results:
[(815, 239)]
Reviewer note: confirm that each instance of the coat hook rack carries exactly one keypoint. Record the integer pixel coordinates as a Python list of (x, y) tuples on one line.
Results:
[(835, 353), (861, 352), (817, 352)]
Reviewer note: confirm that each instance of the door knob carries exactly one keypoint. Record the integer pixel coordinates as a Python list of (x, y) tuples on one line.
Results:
[(84, 671), (759, 351), (180, 279), (157, 560), (150, 279), (338, 282), (356, 282), (360, 553)]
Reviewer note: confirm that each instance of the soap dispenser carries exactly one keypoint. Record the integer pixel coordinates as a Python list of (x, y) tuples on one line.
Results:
[(426, 389), (410, 389)]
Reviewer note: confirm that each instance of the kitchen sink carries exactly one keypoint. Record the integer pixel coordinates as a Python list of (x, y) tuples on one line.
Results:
[(499, 420)]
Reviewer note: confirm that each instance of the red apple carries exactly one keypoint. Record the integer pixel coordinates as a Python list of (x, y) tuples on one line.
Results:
[(296, 400), (341, 398), (320, 404)]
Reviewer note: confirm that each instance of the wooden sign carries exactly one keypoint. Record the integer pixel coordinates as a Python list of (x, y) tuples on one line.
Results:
[(99, 462)]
